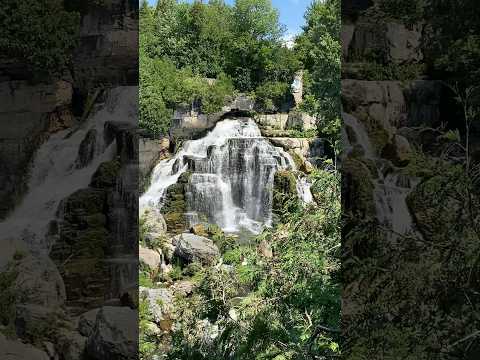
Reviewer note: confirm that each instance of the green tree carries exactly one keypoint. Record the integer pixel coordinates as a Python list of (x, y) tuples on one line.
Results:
[(319, 49), (39, 34), (257, 18)]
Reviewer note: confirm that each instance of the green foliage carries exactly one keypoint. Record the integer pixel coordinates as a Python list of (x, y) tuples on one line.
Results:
[(374, 71), (181, 44), (407, 11), (147, 343), (40, 34), (162, 87), (267, 308), (271, 95), (319, 49), (257, 19)]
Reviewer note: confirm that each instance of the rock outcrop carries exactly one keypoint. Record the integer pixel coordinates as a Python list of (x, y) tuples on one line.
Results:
[(194, 248), (16, 350), (115, 334)]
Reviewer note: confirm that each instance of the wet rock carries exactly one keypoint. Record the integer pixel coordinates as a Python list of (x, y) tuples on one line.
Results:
[(29, 113), (86, 151), (150, 152), (191, 248), (115, 334), (284, 190), (175, 206)]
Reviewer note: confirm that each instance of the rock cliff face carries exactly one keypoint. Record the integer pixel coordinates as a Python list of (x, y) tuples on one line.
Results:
[(108, 48), (107, 54), (76, 177), (28, 113)]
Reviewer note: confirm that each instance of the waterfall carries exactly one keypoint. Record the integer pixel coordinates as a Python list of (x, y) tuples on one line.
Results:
[(63, 164), (391, 189), (231, 184)]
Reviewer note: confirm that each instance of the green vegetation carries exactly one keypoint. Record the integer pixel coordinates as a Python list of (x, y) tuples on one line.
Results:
[(241, 46), (319, 49), (282, 307), (39, 34), (275, 295)]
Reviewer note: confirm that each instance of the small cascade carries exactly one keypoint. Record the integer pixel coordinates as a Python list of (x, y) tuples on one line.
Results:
[(391, 189), (62, 165), (232, 172), (391, 205)]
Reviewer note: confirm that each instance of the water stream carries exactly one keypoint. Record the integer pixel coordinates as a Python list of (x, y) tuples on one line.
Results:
[(391, 187), (63, 164)]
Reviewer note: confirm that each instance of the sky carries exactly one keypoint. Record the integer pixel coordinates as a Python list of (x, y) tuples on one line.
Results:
[(291, 14)]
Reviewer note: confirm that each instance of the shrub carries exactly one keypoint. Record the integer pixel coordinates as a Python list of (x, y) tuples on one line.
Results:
[(271, 95)]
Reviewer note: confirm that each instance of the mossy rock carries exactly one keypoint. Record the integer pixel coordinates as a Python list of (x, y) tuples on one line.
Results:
[(378, 135), (285, 197), (84, 202), (175, 205), (297, 159), (106, 175), (359, 199), (285, 182)]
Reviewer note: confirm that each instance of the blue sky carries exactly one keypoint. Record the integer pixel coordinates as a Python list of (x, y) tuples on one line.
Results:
[(291, 13)]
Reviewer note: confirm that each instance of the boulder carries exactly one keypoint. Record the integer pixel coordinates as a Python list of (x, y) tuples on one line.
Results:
[(154, 224), (199, 229), (86, 322), (16, 350), (183, 288), (149, 257), (160, 303), (72, 345), (115, 334), (265, 249), (38, 283), (399, 151), (191, 248)]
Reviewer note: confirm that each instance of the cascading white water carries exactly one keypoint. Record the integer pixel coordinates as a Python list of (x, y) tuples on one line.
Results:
[(390, 192), (231, 184), (58, 171)]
